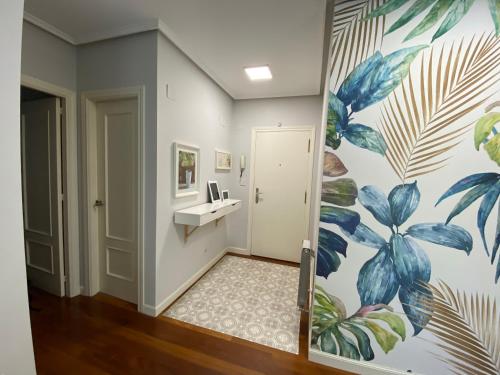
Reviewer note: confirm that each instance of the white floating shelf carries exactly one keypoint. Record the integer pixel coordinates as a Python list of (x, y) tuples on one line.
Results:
[(204, 213)]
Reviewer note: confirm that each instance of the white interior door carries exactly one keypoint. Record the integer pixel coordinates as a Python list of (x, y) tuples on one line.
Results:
[(281, 192), (42, 193), (117, 200)]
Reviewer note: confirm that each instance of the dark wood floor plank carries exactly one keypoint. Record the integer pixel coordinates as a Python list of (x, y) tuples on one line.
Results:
[(103, 335)]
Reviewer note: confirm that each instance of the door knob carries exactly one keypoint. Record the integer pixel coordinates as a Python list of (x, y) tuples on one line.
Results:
[(98, 203)]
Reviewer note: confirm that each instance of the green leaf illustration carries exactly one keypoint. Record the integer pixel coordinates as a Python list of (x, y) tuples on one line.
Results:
[(332, 330)]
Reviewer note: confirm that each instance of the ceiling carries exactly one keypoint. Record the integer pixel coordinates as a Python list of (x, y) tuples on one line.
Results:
[(221, 36)]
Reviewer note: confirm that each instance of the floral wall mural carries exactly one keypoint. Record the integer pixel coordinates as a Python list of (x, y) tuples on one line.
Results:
[(408, 267)]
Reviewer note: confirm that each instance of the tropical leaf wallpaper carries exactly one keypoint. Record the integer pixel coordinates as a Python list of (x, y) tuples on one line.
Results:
[(408, 267)]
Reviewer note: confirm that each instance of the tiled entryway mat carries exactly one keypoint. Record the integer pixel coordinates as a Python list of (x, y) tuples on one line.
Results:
[(246, 298)]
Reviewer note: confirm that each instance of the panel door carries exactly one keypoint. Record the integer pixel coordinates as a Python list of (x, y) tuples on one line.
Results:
[(117, 201), (42, 193), (282, 175)]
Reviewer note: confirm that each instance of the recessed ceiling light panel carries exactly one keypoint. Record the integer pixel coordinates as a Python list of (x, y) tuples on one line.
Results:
[(259, 73)]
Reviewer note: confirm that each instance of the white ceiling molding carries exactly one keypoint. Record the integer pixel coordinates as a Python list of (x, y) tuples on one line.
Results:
[(117, 33), (49, 28), (176, 41)]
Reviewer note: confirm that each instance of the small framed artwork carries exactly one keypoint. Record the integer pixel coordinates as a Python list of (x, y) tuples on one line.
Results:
[(214, 191), (225, 195), (223, 160), (186, 170)]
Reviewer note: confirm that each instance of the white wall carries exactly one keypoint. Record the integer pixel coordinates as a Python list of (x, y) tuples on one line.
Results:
[(16, 349), (126, 62), (48, 58), (260, 113), (199, 113)]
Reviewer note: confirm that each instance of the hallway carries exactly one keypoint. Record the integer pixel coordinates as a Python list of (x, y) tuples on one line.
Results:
[(103, 335)]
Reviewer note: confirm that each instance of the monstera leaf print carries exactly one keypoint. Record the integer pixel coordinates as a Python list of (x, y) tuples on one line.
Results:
[(353, 40), (370, 82), (349, 336), (486, 134), (419, 128), (452, 10), (466, 327), (400, 264), (338, 193), (486, 185)]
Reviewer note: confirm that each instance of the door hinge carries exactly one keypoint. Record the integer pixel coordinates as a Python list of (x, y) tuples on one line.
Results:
[(309, 146), (65, 278), (305, 197)]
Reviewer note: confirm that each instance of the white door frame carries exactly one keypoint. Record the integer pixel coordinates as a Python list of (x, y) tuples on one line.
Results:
[(89, 99), (251, 195), (71, 216)]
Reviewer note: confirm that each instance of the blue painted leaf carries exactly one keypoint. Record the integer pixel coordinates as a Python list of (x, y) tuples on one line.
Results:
[(468, 182), (497, 274), (485, 208), (365, 236), (416, 9), (443, 234), (363, 341), (366, 137), (470, 197), (438, 10), (403, 200), (384, 78), (377, 279), (417, 303), (375, 201), (350, 90), (329, 244), (457, 11), (497, 238), (386, 8), (336, 122), (344, 218), (410, 260), (328, 344), (347, 348)]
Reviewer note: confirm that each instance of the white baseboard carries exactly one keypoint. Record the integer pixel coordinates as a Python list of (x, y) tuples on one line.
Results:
[(193, 279), (148, 310), (238, 250), (350, 365)]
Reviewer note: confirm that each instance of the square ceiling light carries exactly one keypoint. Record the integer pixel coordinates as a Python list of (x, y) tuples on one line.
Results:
[(259, 73)]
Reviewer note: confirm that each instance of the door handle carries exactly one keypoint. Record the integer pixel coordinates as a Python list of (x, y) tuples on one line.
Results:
[(257, 195), (98, 203)]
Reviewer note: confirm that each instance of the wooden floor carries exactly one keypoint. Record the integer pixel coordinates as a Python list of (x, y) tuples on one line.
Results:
[(103, 335)]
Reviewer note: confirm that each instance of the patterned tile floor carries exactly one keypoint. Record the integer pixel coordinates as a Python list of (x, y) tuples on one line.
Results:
[(246, 298)]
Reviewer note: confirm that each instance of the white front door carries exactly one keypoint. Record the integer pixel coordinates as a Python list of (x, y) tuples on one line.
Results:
[(42, 194), (117, 200), (281, 192)]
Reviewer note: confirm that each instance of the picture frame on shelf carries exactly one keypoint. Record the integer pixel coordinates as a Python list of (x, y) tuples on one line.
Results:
[(214, 192), (186, 170), (223, 160), (225, 195)]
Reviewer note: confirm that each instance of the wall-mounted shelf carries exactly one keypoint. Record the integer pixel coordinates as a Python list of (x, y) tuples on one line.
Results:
[(204, 213)]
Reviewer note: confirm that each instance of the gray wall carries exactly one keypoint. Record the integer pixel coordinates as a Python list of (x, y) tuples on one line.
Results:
[(48, 58), (248, 114), (16, 354), (126, 62), (199, 113)]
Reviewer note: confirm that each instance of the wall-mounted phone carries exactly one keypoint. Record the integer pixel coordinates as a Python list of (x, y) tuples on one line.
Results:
[(243, 164)]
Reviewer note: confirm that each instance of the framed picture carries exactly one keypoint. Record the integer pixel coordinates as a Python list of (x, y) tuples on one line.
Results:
[(225, 194), (186, 169), (223, 160), (214, 192)]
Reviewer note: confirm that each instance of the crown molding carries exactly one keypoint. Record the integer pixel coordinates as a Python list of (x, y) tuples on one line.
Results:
[(176, 41), (28, 17), (150, 25)]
